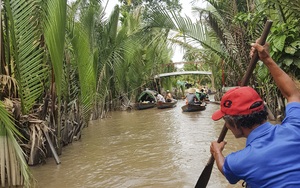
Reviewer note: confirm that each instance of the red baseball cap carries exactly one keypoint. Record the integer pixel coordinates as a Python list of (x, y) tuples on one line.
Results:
[(237, 101)]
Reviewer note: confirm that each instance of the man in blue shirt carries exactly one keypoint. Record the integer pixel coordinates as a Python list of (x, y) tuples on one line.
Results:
[(271, 157)]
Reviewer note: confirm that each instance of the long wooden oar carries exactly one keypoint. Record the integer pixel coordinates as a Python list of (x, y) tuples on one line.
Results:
[(205, 175)]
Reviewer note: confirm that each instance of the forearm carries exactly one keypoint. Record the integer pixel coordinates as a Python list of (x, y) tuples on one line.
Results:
[(219, 160), (283, 81)]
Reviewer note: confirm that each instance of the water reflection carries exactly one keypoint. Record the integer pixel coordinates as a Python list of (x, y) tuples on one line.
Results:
[(159, 148)]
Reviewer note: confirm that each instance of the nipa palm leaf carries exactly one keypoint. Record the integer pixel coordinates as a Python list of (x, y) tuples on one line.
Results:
[(55, 37), (26, 51), (13, 166), (84, 59)]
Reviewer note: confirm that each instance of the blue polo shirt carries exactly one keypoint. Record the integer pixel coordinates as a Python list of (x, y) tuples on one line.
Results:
[(271, 157)]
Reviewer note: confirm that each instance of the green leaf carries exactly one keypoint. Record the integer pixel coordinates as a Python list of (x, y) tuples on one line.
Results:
[(279, 42), (26, 50), (297, 62), (296, 44), (55, 37), (290, 50), (288, 61)]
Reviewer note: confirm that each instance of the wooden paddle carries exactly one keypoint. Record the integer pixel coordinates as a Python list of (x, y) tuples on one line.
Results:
[(205, 175)]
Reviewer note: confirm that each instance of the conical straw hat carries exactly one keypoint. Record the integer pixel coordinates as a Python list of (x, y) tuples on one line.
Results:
[(191, 90)]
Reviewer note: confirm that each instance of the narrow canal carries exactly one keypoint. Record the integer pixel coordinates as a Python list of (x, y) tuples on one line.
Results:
[(153, 148)]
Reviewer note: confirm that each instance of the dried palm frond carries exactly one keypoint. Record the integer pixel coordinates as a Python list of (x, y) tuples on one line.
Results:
[(37, 144), (8, 84)]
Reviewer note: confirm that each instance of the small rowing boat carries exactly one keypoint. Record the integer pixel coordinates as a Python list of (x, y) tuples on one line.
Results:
[(162, 105), (193, 107), (146, 100), (144, 105)]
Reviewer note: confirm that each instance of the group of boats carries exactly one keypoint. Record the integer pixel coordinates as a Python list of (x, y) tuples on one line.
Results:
[(160, 105), (147, 100)]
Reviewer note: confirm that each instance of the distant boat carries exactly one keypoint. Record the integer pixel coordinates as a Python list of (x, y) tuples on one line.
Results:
[(162, 105), (193, 107), (146, 100), (144, 105)]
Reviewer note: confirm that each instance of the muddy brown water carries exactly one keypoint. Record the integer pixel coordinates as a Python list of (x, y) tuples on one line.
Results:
[(152, 148)]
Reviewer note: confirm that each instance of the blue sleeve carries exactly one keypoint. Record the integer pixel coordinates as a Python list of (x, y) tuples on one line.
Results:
[(230, 176), (292, 114)]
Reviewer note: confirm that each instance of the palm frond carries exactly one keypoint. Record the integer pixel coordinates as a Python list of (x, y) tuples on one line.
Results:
[(27, 53), (55, 38), (13, 166), (193, 33), (8, 83), (86, 72)]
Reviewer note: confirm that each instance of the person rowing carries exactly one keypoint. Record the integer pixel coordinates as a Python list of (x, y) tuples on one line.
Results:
[(271, 155)]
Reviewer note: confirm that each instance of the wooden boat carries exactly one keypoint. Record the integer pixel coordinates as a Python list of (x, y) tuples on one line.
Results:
[(162, 105), (146, 100), (145, 105), (193, 107)]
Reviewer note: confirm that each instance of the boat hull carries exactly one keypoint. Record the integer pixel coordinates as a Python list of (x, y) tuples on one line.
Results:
[(193, 107), (162, 105), (142, 106)]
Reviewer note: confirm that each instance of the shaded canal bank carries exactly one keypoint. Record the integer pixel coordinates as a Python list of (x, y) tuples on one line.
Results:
[(162, 148)]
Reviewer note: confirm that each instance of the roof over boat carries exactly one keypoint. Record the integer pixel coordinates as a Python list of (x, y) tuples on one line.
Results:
[(181, 73), (147, 95)]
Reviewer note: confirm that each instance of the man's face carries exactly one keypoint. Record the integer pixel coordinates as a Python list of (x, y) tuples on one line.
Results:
[(236, 131)]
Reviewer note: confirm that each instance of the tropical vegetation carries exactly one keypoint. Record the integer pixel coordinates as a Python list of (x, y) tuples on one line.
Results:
[(63, 64)]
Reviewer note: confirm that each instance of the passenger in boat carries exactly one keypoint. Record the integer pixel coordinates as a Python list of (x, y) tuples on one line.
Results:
[(198, 95), (191, 98), (271, 155), (159, 97), (204, 95), (169, 97)]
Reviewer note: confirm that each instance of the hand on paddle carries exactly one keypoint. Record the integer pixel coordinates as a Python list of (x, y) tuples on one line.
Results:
[(216, 147), (263, 51), (216, 150), (283, 81)]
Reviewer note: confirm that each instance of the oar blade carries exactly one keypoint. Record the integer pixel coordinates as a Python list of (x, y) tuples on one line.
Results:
[(204, 177)]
